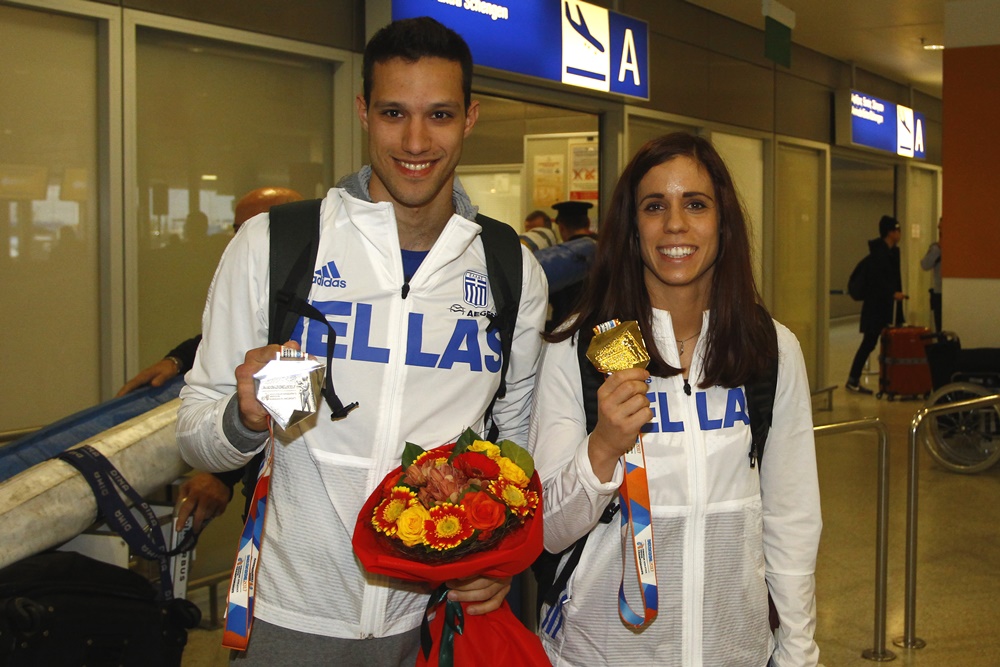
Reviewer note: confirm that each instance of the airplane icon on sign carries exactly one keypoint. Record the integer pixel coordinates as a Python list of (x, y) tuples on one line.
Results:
[(580, 25)]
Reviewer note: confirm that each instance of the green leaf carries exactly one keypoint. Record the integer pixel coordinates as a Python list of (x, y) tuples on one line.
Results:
[(463, 443), (410, 454), (519, 455)]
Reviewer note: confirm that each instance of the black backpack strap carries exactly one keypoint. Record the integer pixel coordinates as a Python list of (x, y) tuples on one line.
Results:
[(591, 379), (294, 243), (505, 271), (760, 397)]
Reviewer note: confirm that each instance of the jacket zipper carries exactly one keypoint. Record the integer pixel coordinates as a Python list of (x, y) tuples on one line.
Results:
[(372, 621), (694, 577)]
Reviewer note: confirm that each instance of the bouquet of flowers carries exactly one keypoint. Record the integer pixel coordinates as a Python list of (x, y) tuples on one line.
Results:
[(466, 509)]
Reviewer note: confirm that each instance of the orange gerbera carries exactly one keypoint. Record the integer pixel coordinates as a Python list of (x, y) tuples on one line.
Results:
[(386, 514), (447, 527), (520, 501)]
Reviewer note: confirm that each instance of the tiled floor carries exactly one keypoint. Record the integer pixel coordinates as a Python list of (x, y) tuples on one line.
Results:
[(958, 546)]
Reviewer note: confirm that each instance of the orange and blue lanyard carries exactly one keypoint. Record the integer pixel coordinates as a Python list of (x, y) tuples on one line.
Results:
[(240, 601), (636, 516)]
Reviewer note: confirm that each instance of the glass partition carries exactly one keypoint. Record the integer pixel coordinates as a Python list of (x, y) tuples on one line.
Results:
[(799, 302), (49, 217), (214, 120)]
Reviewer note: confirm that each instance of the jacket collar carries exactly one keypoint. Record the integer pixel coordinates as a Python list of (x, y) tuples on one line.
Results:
[(356, 185)]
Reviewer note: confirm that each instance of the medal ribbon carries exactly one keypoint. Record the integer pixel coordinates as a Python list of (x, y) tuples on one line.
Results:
[(239, 603), (634, 493)]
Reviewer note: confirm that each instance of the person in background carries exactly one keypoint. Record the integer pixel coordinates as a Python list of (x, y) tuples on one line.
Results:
[(537, 219), (931, 261), (204, 496), (566, 264), (401, 234), (674, 255), (884, 295), (538, 233)]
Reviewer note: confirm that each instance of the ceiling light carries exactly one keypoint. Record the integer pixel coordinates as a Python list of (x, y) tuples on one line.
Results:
[(209, 177), (931, 47)]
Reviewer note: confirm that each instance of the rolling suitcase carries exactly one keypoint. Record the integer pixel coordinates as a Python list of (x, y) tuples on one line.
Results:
[(903, 368)]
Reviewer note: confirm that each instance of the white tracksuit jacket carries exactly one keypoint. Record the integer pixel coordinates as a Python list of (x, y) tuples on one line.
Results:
[(720, 528), (422, 368)]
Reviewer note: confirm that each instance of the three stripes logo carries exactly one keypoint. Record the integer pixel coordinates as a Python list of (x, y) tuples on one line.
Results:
[(476, 288), (329, 276)]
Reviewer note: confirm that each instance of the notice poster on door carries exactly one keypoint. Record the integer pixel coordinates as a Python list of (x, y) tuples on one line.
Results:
[(549, 176), (583, 184)]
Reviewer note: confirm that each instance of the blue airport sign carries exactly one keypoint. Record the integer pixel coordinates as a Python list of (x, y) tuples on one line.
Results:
[(882, 125), (567, 41)]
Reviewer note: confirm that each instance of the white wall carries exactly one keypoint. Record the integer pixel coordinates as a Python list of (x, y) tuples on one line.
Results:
[(970, 309)]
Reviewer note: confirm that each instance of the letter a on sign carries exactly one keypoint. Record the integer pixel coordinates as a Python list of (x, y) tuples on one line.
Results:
[(629, 62)]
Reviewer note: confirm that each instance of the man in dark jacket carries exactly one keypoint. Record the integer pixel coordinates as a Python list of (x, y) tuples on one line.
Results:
[(883, 296)]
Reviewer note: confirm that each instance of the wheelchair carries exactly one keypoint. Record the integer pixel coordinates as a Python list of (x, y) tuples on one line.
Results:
[(967, 441)]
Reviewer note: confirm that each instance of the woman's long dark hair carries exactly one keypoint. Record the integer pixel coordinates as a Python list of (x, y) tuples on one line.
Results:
[(739, 343)]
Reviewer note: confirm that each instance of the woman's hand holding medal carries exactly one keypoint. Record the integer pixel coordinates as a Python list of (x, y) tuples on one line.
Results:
[(618, 350), (622, 409)]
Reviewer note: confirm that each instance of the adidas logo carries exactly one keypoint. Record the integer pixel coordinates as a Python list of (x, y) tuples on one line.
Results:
[(329, 276)]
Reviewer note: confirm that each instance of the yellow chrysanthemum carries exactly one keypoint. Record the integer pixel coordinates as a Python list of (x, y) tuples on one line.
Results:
[(512, 472), (485, 447)]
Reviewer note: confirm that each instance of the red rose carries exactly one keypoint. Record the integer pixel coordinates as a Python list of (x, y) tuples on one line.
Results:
[(484, 513), (476, 466)]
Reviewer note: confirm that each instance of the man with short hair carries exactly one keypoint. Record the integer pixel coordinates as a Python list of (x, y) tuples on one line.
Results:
[(401, 237), (883, 298), (538, 233)]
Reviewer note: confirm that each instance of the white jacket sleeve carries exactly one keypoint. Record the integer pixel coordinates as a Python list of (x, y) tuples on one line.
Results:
[(234, 322), (791, 507), (574, 498), (513, 411)]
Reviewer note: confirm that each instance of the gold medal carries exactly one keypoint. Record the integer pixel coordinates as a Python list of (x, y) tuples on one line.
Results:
[(617, 346)]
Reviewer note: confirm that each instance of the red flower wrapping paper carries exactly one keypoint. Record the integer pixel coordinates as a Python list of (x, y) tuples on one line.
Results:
[(497, 638)]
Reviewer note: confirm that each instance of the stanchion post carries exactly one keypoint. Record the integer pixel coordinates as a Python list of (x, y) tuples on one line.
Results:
[(909, 638), (878, 653)]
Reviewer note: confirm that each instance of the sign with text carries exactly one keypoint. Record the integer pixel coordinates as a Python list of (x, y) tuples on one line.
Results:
[(867, 121), (568, 41)]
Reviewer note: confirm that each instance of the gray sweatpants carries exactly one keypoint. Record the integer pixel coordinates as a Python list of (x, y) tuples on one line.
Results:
[(274, 646)]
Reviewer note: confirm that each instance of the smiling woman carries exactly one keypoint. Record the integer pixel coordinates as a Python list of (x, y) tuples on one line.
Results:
[(674, 256), (678, 230)]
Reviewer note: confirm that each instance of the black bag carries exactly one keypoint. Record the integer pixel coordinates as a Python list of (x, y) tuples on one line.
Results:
[(62, 608), (857, 284)]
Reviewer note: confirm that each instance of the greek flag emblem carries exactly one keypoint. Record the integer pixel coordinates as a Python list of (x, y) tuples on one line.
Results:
[(477, 289)]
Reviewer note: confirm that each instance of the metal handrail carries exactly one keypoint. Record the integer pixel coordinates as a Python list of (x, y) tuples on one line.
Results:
[(909, 638), (879, 653)]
